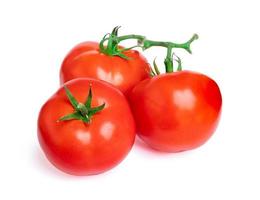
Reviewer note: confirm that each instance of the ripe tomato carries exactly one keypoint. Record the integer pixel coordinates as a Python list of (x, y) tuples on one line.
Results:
[(176, 111), (86, 60), (77, 50), (92, 146)]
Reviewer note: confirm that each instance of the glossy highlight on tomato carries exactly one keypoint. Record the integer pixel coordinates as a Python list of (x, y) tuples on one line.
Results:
[(81, 148), (176, 111), (87, 60)]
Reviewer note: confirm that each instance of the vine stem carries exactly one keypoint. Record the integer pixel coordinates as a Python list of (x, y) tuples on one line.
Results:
[(131, 36), (146, 44), (168, 61), (113, 40), (186, 45)]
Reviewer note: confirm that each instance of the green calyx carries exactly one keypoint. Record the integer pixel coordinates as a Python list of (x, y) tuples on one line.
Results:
[(178, 60), (155, 70), (113, 40), (82, 112)]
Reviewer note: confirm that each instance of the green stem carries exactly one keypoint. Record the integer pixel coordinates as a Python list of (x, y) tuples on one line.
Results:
[(169, 45), (150, 43), (113, 41), (168, 61), (131, 36)]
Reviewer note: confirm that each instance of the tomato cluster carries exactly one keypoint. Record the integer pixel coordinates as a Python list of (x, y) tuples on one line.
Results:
[(109, 93)]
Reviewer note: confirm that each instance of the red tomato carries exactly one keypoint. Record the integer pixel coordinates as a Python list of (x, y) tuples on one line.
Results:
[(86, 60), (177, 111), (81, 148), (77, 50)]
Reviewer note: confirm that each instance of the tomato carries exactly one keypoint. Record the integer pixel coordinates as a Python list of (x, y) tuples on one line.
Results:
[(86, 60), (77, 50), (84, 146), (176, 111)]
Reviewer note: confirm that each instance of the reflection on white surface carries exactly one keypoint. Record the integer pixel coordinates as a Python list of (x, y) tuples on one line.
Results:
[(106, 130), (84, 137), (184, 99), (115, 78)]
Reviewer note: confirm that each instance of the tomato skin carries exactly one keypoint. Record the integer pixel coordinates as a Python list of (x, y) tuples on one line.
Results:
[(177, 111), (84, 149), (76, 51), (90, 62)]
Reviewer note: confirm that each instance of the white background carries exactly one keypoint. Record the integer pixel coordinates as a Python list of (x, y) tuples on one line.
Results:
[(36, 35)]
